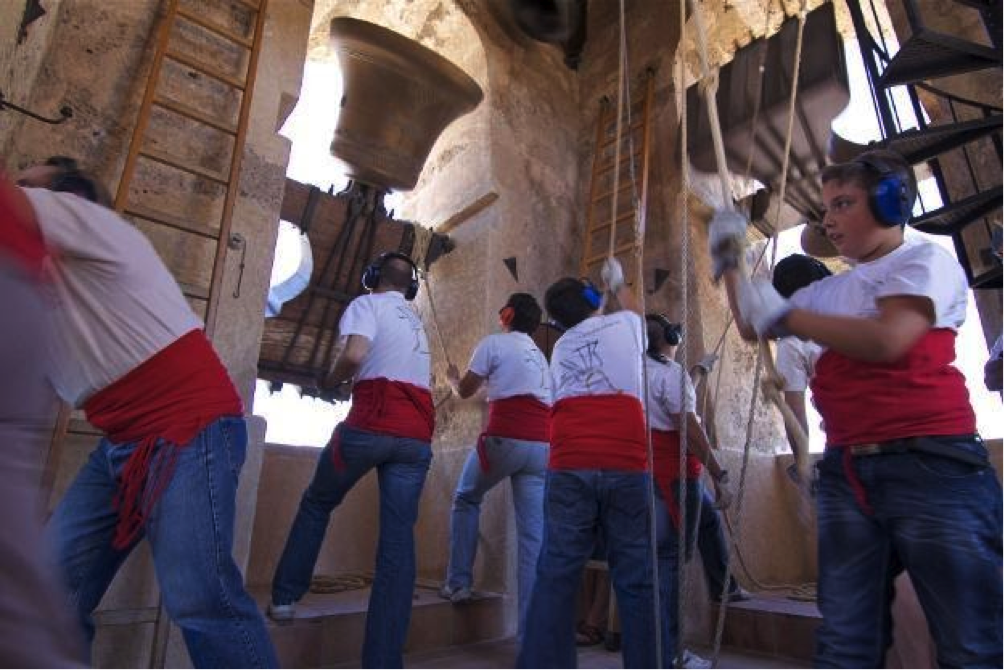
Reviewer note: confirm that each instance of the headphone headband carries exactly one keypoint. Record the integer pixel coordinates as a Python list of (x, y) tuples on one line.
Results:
[(671, 332), (371, 275)]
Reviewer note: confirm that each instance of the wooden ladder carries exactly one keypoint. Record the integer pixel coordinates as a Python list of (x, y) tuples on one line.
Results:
[(632, 194), (176, 19)]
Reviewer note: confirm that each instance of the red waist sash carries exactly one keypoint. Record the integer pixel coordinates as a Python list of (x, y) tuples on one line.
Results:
[(598, 432), (521, 417), (388, 407), (169, 398)]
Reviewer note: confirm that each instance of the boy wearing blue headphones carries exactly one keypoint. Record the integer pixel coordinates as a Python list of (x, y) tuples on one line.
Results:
[(597, 476), (905, 482)]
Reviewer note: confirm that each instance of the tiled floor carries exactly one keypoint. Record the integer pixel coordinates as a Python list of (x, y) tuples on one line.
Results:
[(502, 654)]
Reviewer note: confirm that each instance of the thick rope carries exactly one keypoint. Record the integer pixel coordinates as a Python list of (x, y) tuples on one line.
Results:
[(640, 226), (709, 86), (682, 548), (764, 357), (624, 90), (439, 335)]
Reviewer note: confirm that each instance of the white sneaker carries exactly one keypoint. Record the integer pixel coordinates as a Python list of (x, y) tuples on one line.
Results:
[(281, 612), (455, 595), (692, 660)]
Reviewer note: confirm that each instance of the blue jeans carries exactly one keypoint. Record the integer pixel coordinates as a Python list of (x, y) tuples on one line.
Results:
[(712, 546), (525, 463), (577, 504), (401, 465), (190, 532), (668, 551), (936, 517)]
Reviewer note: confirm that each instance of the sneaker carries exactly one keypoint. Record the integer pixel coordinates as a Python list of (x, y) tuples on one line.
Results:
[(284, 612), (692, 660), (457, 595)]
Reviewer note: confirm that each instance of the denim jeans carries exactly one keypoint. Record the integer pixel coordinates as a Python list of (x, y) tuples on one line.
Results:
[(668, 551), (577, 504), (401, 465), (712, 546), (525, 463), (936, 517), (190, 532)]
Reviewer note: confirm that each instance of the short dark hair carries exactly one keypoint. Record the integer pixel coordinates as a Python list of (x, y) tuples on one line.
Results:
[(566, 302), (654, 333), (70, 178), (396, 272), (797, 271), (527, 312), (866, 171)]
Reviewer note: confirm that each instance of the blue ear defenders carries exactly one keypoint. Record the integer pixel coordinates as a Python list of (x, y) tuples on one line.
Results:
[(891, 199), (592, 295), (371, 275)]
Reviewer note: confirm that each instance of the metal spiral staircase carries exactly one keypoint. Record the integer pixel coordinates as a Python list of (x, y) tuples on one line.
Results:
[(957, 138)]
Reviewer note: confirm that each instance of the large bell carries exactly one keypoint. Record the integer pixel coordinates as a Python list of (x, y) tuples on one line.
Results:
[(397, 98)]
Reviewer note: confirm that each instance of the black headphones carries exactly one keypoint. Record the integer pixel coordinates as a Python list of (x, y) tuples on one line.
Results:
[(592, 294), (371, 275), (891, 199), (671, 332)]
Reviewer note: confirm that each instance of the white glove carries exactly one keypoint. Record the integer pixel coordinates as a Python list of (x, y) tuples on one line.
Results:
[(707, 363), (762, 307), (726, 240), (612, 274), (723, 495)]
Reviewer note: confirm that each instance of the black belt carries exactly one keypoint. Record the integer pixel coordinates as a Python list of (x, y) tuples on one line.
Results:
[(936, 445)]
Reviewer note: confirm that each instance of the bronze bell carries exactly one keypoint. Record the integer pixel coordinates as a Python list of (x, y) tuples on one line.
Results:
[(398, 96)]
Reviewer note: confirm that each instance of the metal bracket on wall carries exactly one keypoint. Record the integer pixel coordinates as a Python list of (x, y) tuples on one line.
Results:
[(64, 112), (237, 241)]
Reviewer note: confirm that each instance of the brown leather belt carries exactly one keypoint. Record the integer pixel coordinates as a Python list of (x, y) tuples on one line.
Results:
[(936, 445)]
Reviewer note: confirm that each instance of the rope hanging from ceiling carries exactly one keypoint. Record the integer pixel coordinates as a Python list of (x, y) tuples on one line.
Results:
[(771, 383)]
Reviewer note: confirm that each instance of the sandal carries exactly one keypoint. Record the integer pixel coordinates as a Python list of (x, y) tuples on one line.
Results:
[(587, 635)]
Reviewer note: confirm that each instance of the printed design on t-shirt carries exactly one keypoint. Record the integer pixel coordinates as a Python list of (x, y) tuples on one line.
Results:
[(421, 345), (533, 358), (584, 369)]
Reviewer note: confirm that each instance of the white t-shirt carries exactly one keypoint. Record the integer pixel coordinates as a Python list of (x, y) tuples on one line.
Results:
[(796, 362), (601, 355), (119, 304), (513, 365), (664, 393), (399, 349), (917, 267)]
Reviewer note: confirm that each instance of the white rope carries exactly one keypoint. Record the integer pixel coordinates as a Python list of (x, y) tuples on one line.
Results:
[(709, 85), (682, 543), (624, 91), (424, 274)]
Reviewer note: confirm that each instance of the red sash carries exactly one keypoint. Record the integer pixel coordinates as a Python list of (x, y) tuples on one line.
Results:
[(391, 408), (521, 417), (666, 456), (169, 398), (598, 432), (920, 394), (18, 239), (666, 463)]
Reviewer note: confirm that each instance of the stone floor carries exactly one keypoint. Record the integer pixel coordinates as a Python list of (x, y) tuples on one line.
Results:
[(502, 654)]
